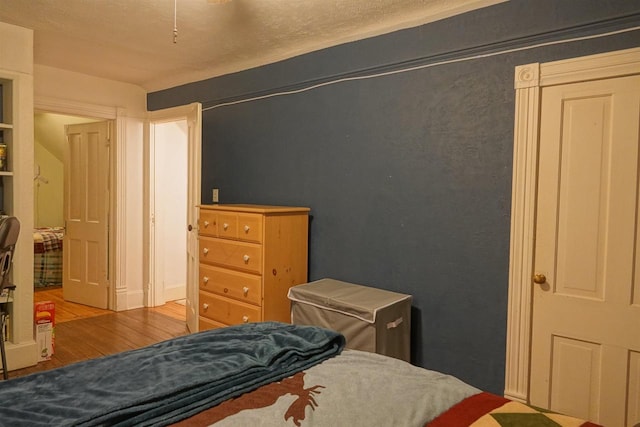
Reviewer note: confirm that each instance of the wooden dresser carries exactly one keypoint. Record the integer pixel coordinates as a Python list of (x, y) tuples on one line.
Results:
[(250, 255)]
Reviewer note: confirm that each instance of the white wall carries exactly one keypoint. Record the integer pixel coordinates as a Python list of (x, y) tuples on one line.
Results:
[(68, 92), (47, 188), (49, 144), (170, 197), (71, 86)]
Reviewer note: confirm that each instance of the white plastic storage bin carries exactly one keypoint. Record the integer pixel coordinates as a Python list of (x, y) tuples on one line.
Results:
[(371, 319)]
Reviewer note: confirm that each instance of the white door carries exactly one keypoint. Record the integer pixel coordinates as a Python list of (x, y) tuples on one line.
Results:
[(585, 347), (192, 113), (86, 205), (194, 192)]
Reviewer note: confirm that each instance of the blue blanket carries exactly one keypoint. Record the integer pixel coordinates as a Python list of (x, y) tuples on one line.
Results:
[(168, 381)]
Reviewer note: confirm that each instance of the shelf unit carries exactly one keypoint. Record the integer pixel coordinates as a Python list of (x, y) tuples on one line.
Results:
[(6, 138), (16, 179)]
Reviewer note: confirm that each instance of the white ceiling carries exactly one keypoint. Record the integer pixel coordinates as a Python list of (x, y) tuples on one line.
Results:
[(132, 40)]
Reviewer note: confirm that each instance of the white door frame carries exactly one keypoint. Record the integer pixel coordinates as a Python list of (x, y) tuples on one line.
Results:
[(116, 239), (529, 81), (194, 170)]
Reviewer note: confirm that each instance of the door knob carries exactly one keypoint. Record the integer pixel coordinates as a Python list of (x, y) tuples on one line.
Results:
[(190, 227), (539, 278)]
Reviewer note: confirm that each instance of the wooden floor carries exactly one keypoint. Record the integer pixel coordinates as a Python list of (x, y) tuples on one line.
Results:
[(83, 332), (66, 311)]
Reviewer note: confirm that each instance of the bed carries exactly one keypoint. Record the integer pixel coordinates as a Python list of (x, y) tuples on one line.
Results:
[(258, 374), (47, 256)]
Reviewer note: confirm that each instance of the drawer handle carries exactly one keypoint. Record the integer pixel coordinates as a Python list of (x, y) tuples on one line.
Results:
[(205, 250), (205, 306), (245, 290), (205, 279), (225, 225), (246, 258), (206, 224), (246, 228), (226, 290), (245, 319)]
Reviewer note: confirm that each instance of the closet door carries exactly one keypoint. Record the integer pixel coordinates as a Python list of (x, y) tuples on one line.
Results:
[(586, 296)]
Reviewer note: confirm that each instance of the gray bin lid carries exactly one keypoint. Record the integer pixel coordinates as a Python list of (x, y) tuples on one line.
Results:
[(354, 300)]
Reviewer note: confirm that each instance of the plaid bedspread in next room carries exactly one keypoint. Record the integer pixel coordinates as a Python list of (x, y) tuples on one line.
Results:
[(47, 256)]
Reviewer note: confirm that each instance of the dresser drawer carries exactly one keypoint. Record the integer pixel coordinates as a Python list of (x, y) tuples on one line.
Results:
[(230, 253), (227, 311), (250, 227), (240, 226), (204, 324), (207, 223), (228, 225), (229, 283)]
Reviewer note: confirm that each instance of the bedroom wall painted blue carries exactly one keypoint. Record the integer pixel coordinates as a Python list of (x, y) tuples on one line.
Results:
[(408, 176)]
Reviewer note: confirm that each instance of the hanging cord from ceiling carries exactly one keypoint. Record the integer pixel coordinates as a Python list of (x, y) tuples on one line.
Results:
[(175, 21)]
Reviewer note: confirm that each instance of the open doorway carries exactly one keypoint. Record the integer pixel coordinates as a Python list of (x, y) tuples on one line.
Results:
[(170, 130), (169, 172), (48, 196), (51, 157)]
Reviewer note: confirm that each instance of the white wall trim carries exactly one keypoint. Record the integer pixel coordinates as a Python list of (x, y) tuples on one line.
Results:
[(22, 354), (176, 292), (529, 81), (64, 106), (522, 223), (117, 201), (134, 299), (149, 270), (118, 230)]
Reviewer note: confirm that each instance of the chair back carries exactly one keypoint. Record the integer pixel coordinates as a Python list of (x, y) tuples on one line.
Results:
[(9, 231)]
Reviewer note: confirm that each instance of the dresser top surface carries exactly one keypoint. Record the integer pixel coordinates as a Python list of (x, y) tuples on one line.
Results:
[(265, 209)]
